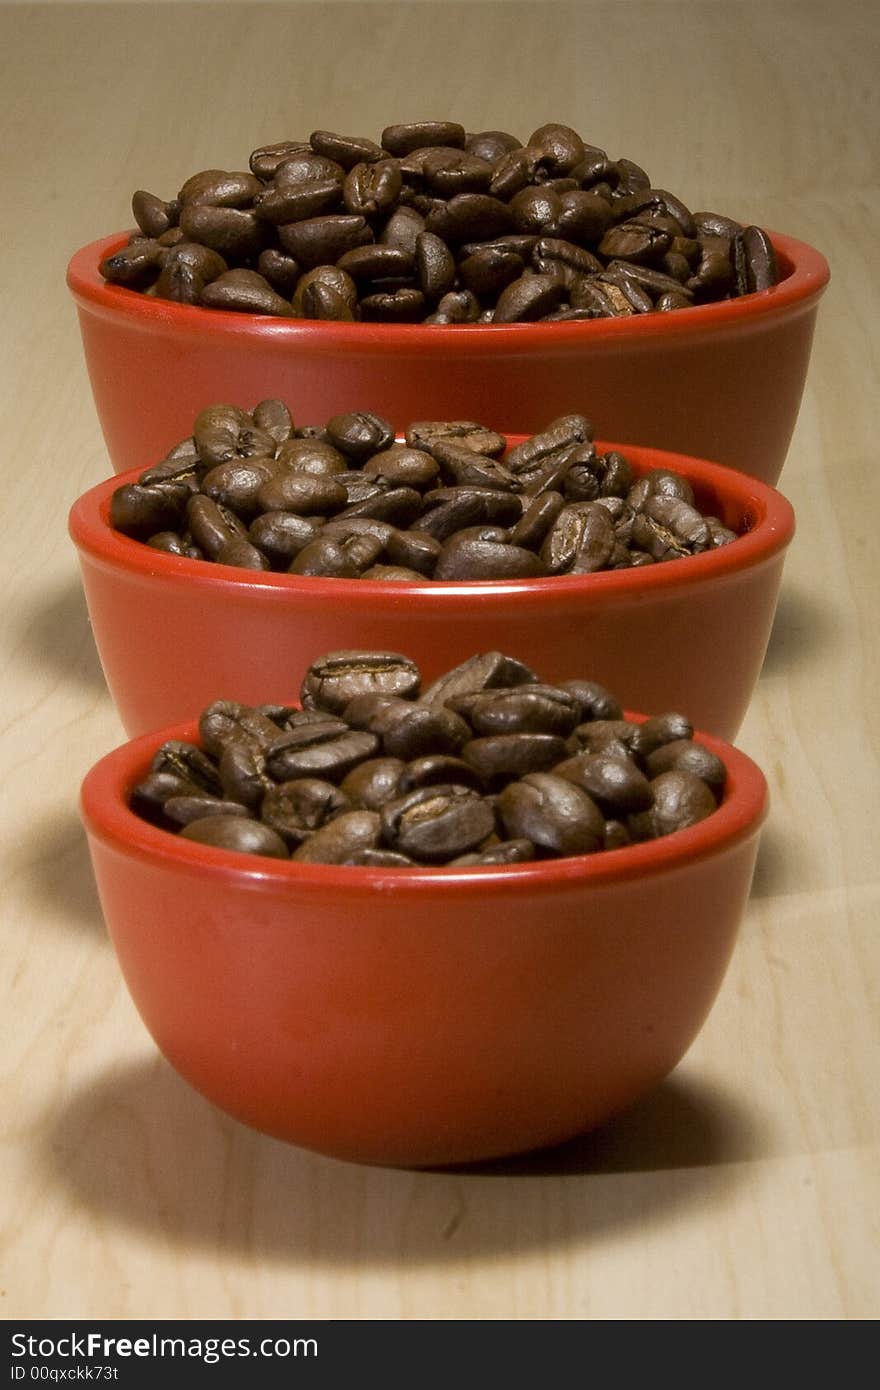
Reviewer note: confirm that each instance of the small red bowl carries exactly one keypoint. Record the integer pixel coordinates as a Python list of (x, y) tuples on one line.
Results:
[(421, 1016), (721, 381), (688, 635)]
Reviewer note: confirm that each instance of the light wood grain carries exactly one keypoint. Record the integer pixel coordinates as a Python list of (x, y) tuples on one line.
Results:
[(746, 1187)]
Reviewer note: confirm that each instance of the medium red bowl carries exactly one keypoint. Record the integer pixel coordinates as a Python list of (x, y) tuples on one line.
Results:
[(688, 635), (721, 381), (421, 1016)]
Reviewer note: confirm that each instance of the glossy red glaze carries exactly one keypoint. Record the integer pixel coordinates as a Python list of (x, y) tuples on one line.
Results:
[(721, 381), (174, 634), (421, 1016)]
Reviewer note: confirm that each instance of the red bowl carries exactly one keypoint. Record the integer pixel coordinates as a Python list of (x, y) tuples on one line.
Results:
[(421, 1016), (721, 381), (689, 634)]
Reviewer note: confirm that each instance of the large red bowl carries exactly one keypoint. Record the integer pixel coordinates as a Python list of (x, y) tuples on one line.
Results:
[(720, 381), (421, 1016), (689, 634)]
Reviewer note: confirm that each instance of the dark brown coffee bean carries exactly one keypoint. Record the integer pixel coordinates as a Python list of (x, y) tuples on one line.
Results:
[(402, 466), (243, 773), (680, 800), (135, 266), (435, 266), (660, 729), (615, 784), (459, 306), (372, 188), (537, 520), (273, 417), (456, 508), (402, 229), (238, 833), (345, 150), (513, 755), (379, 859), (284, 203), (153, 216), (530, 297), (683, 755), (529, 709), (282, 535), (491, 144), (469, 217), (614, 736), (487, 671), (317, 457), (241, 553), (400, 140), (330, 277), (427, 434), (342, 837), (754, 251), (681, 520), (188, 762), (183, 809), (139, 511), (421, 729), (307, 494), (466, 557), (555, 815), (325, 558), (594, 700), (233, 232), (307, 167), (373, 782), (281, 271), (322, 240), (464, 467), (332, 682), (559, 148), (294, 810), (406, 305), (236, 484), (327, 751), (414, 550), (659, 482), (377, 262), (435, 824)]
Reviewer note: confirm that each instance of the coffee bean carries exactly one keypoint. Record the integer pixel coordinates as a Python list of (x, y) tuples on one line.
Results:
[(342, 837), (297, 808), (333, 682), (241, 834), (616, 784), (400, 140), (554, 814), (513, 755), (680, 800), (436, 823)]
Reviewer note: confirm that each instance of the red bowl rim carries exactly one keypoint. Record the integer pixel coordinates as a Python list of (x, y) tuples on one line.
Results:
[(772, 527), (807, 278), (107, 817)]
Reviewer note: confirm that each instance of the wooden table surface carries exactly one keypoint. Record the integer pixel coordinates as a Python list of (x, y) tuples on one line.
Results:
[(746, 1186)]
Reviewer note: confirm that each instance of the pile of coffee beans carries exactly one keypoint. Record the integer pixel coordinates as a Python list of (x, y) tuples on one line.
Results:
[(435, 225), (487, 766), (345, 501)]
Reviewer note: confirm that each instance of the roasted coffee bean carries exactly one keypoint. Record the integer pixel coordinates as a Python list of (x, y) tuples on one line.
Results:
[(683, 755), (183, 809), (342, 837), (436, 823), (402, 466), (243, 773), (329, 278), (615, 784), (316, 456), (188, 762), (513, 755), (282, 535), (318, 241), (532, 709), (306, 493), (537, 520), (491, 144), (298, 808), (239, 833), (467, 557), (139, 511), (400, 140), (555, 815), (594, 701), (335, 680), (136, 266), (325, 558), (372, 783), (487, 671), (528, 298), (660, 729), (327, 750), (345, 150), (680, 800), (457, 508), (659, 482), (755, 260)]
